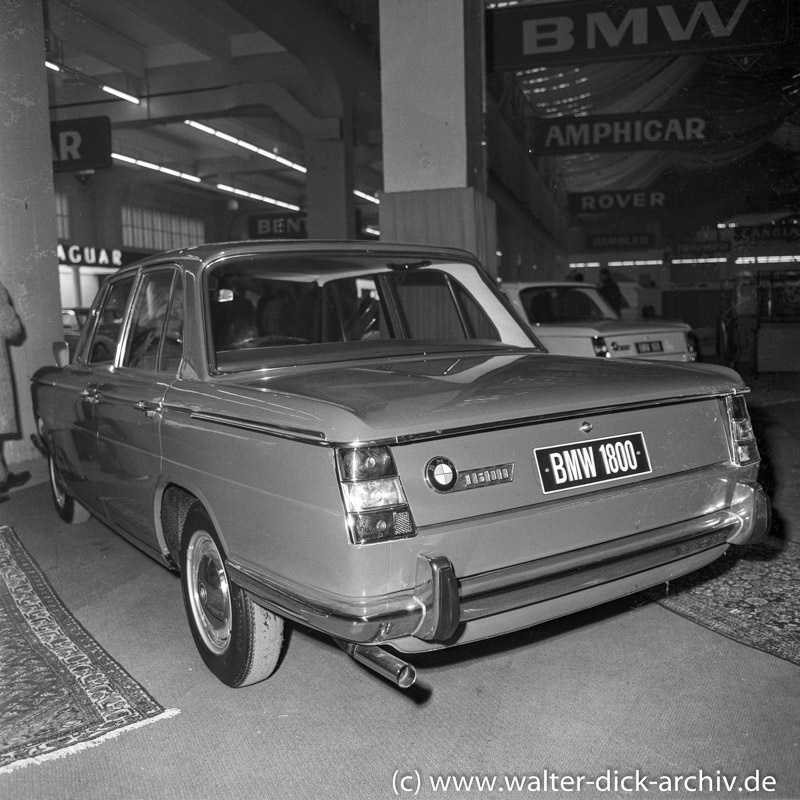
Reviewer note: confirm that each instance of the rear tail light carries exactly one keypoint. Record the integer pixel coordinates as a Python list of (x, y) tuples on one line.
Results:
[(600, 347), (691, 347), (374, 499), (743, 440)]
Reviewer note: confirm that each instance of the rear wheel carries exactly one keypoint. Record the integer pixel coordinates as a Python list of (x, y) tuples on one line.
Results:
[(239, 641), (68, 508)]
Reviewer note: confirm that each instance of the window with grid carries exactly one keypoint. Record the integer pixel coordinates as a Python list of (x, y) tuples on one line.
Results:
[(62, 215), (146, 229)]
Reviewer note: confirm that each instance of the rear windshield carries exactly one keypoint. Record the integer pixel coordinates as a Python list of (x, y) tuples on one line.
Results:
[(319, 305), (550, 304)]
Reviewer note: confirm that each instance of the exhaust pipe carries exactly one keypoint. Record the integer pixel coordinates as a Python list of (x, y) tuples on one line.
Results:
[(384, 663)]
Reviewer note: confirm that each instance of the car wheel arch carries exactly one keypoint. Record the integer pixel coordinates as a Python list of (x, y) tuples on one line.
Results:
[(172, 504)]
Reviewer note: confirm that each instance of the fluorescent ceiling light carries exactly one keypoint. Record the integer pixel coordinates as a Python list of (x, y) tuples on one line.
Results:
[(246, 145), (703, 260), (260, 197), (117, 93), (155, 167), (89, 79), (365, 196), (137, 162)]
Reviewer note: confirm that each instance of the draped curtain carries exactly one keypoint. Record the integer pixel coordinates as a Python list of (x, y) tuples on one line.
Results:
[(751, 100)]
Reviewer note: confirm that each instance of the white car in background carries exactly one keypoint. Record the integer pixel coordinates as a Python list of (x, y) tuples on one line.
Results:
[(574, 319)]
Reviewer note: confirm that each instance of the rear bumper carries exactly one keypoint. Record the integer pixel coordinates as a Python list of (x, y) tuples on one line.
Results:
[(441, 607)]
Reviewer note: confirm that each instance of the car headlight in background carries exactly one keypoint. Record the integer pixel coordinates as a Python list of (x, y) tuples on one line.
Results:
[(374, 499)]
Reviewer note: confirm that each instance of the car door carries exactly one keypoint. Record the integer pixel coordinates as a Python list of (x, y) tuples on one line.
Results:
[(74, 431), (128, 403)]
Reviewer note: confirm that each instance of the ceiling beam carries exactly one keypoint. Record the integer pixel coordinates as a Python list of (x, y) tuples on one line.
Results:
[(182, 21), (71, 27)]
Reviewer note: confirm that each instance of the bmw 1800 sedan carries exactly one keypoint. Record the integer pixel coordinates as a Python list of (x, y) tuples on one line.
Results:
[(364, 439), (574, 319)]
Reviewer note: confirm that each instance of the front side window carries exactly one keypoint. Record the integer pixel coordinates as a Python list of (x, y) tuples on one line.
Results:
[(105, 328)]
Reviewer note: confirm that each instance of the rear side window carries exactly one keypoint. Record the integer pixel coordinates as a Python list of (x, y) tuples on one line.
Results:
[(549, 304), (434, 306)]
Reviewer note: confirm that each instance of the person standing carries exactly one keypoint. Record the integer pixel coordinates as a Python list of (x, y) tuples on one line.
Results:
[(610, 290), (10, 331)]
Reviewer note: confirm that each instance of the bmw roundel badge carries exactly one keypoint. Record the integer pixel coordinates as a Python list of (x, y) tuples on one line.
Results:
[(441, 474)]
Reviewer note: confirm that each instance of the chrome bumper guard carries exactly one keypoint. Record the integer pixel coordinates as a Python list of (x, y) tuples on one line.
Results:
[(440, 602)]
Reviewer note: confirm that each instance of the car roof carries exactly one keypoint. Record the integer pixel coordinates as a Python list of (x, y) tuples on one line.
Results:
[(203, 254), (543, 284)]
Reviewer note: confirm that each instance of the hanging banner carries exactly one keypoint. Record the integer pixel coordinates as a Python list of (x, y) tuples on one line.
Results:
[(576, 33), (607, 133)]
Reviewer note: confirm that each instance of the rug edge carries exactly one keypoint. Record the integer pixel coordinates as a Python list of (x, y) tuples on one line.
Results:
[(76, 748)]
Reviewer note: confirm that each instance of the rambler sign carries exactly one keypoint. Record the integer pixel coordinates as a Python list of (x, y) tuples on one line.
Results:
[(658, 131), (620, 241), (573, 33)]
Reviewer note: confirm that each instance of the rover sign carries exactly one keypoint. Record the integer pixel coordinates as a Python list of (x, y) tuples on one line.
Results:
[(616, 200)]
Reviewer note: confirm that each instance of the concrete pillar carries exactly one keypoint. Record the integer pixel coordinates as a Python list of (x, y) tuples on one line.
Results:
[(28, 259), (329, 188), (432, 86)]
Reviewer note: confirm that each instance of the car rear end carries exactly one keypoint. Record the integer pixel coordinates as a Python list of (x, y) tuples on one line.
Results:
[(560, 514), (657, 341), (524, 503)]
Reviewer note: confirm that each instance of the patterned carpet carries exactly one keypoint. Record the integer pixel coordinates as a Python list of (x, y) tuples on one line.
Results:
[(751, 595), (59, 690)]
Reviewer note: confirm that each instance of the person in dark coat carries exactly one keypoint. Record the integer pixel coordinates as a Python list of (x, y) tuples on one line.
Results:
[(10, 331), (610, 290)]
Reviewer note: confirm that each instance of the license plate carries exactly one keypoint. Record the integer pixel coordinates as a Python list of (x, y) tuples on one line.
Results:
[(649, 347), (598, 461)]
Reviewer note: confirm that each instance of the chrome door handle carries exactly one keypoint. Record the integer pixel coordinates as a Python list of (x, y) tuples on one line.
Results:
[(148, 406)]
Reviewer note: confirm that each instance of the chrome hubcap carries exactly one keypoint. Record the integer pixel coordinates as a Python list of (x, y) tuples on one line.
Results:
[(209, 592), (55, 476)]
